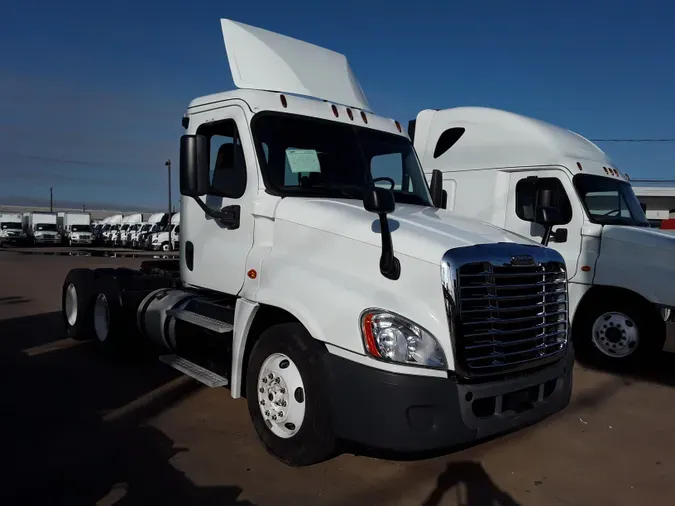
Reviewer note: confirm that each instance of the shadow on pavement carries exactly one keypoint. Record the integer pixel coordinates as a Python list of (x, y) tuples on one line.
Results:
[(8, 301), (657, 369), (471, 483), (68, 444)]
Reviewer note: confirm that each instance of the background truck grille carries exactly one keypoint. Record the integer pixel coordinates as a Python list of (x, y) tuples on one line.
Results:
[(510, 315)]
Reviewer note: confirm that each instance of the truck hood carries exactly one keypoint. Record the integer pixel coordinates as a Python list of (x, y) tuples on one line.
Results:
[(639, 259), (643, 236), (419, 232)]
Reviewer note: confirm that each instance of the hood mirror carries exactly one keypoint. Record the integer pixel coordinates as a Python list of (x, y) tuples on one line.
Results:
[(381, 202)]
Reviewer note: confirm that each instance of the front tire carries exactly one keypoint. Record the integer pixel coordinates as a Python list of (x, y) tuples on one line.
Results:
[(618, 332), (289, 409)]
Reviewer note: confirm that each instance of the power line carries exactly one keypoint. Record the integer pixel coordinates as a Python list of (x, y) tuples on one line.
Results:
[(633, 140)]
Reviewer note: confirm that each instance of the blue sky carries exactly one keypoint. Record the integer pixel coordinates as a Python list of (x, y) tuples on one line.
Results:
[(92, 94)]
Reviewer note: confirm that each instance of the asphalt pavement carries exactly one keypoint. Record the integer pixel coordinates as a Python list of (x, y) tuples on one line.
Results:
[(82, 428)]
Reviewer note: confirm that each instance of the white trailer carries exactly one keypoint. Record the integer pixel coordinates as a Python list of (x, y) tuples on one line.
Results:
[(621, 301), (75, 227), (11, 229), (41, 228), (338, 308)]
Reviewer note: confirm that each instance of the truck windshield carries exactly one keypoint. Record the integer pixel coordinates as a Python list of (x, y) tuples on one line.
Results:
[(80, 228), (310, 157), (50, 227), (609, 201), (146, 227), (124, 227), (10, 226), (106, 227)]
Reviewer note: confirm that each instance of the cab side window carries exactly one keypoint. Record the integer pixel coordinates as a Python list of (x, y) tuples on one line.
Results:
[(227, 167), (525, 200)]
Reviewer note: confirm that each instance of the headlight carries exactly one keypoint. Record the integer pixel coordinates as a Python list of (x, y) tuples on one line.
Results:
[(393, 338)]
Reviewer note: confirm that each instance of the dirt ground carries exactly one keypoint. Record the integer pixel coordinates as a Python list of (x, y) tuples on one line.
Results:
[(83, 429)]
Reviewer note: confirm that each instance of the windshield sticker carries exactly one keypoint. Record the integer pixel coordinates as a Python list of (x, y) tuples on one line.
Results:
[(303, 160)]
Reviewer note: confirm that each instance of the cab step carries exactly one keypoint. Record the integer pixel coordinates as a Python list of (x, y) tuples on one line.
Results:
[(200, 320), (208, 378)]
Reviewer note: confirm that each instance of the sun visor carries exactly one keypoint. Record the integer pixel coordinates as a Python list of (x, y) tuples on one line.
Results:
[(264, 60)]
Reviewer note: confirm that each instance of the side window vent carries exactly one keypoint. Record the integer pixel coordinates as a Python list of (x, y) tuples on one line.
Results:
[(447, 140)]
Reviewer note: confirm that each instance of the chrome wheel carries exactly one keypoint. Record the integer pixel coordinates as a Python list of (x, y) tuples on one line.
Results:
[(101, 317), (71, 304), (615, 334), (281, 395)]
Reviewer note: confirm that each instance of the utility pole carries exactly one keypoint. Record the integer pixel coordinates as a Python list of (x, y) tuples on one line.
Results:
[(168, 166), (51, 200)]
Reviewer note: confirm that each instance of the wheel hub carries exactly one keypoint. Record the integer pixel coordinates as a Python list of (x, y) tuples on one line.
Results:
[(615, 334), (282, 409), (71, 304), (101, 317)]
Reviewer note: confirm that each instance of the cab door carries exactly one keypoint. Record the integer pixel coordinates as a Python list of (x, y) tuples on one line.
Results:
[(570, 208), (218, 253)]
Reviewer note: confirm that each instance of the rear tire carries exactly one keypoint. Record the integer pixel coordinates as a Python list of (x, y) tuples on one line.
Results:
[(76, 303), (618, 332), (294, 424)]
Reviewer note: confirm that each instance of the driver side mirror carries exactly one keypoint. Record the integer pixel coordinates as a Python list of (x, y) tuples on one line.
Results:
[(194, 165), (436, 188), (538, 201), (379, 200)]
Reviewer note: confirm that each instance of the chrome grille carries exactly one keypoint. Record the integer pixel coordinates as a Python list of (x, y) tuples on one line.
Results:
[(510, 314)]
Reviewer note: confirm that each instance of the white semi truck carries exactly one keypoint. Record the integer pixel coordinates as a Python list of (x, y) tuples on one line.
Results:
[(111, 228), (337, 308), (41, 228), (156, 222), (621, 302), (75, 228), (167, 239), (11, 229)]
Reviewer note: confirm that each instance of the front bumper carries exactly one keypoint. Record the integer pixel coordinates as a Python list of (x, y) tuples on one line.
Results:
[(416, 413), (47, 240)]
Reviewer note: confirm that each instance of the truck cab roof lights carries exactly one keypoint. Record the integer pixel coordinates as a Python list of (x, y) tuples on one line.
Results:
[(350, 114), (579, 166), (335, 110), (364, 117), (284, 102), (398, 125)]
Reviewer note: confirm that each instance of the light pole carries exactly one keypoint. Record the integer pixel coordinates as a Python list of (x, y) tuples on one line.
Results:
[(51, 200), (168, 166)]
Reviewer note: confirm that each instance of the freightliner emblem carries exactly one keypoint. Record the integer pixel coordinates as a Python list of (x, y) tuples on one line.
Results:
[(522, 260)]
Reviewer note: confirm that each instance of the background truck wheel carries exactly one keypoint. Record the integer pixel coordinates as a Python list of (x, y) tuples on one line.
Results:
[(165, 246), (76, 303), (618, 332), (288, 407)]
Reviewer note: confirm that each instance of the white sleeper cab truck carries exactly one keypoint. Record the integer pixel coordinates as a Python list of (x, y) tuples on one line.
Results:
[(75, 228), (115, 224), (11, 229), (340, 309), (160, 240), (618, 267), (156, 222), (41, 228)]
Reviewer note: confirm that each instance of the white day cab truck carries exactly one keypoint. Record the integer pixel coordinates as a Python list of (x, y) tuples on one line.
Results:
[(621, 302), (11, 229), (338, 308), (41, 228), (75, 228), (167, 239)]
